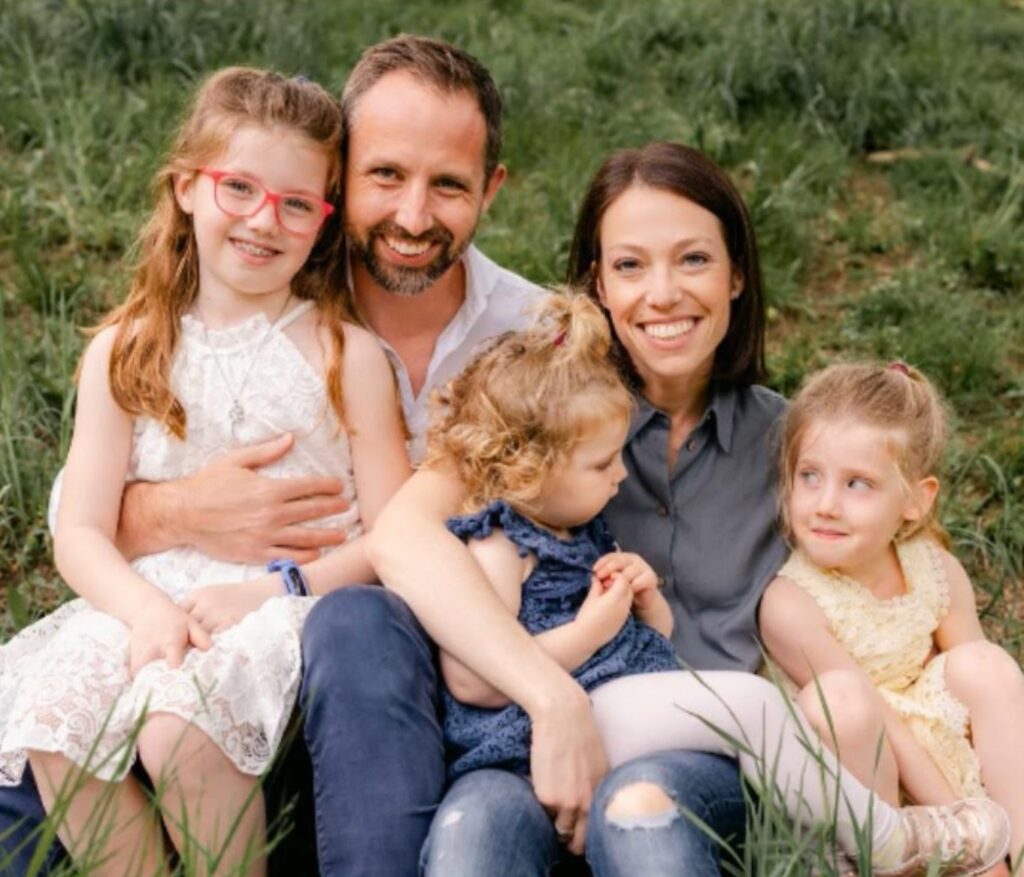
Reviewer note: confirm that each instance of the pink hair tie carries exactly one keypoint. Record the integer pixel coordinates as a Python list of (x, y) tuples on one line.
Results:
[(559, 339), (899, 366)]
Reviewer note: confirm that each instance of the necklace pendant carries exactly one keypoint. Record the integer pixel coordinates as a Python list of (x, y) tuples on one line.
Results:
[(237, 414)]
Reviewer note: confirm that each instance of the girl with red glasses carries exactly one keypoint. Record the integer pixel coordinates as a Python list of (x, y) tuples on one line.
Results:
[(235, 330)]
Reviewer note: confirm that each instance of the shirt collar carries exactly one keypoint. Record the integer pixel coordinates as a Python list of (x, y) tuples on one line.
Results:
[(481, 278), (720, 414), (479, 284)]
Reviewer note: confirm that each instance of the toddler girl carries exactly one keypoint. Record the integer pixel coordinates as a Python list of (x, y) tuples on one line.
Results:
[(535, 428), (232, 333), (872, 616)]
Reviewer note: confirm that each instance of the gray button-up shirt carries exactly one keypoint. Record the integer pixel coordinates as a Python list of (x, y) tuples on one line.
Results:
[(709, 526)]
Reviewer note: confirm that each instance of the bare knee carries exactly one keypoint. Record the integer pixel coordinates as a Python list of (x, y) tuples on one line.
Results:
[(843, 705), (641, 804), (51, 768), (981, 670), (172, 749), (161, 742)]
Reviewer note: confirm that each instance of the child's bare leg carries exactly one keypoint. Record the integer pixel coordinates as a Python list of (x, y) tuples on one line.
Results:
[(851, 725), (213, 812), (990, 684), (108, 828)]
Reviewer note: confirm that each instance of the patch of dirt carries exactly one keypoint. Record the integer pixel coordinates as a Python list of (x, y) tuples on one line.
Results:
[(857, 242)]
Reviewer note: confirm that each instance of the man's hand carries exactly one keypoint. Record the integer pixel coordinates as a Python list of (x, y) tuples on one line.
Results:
[(163, 630), (567, 761), (218, 607), (230, 511)]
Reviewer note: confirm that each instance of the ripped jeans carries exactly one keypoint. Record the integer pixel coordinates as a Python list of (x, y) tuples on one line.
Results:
[(490, 823)]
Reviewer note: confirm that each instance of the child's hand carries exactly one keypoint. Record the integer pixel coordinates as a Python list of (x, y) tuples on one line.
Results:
[(632, 567), (606, 607), (218, 607), (163, 630), (649, 604)]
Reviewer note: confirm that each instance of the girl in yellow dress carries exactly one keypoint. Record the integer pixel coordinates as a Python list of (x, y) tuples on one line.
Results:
[(872, 619)]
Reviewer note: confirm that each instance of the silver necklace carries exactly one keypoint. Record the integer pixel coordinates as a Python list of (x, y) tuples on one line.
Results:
[(236, 414)]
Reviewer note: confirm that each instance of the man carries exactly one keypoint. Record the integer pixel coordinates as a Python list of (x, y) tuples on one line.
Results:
[(423, 122)]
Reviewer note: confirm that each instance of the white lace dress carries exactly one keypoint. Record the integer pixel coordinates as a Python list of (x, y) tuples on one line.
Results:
[(64, 683)]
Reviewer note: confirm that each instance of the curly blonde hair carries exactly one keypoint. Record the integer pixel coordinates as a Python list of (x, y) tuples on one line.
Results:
[(522, 406), (896, 398)]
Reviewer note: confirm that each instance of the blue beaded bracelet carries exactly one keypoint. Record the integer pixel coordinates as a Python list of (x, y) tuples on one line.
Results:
[(294, 581)]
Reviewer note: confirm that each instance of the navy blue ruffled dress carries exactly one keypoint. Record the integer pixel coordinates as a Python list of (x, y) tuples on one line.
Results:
[(552, 595)]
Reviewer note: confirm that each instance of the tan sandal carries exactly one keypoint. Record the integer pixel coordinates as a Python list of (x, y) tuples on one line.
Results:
[(966, 838)]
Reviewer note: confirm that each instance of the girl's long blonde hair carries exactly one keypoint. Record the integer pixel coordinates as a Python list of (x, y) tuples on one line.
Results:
[(520, 408), (894, 397), (166, 275)]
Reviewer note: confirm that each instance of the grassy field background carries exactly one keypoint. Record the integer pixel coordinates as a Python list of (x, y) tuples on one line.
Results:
[(879, 145)]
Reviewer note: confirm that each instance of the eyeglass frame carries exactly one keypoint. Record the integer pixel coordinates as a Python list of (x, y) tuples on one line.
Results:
[(268, 195)]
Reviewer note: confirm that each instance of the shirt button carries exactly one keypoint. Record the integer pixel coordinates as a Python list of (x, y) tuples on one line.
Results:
[(691, 445), (661, 511)]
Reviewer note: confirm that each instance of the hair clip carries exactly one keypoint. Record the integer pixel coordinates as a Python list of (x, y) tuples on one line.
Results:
[(897, 365), (300, 79), (559, 339)]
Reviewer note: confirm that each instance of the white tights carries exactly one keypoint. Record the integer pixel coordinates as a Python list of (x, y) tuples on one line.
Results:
[(744, 717)]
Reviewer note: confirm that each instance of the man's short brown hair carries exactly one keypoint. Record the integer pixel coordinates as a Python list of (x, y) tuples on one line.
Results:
[(438, 63)]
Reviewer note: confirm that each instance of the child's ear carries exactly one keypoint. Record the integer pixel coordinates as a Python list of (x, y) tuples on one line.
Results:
[(184, 190), (922, 498)]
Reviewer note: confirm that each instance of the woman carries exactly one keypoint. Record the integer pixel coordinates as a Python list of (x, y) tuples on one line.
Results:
[(664, 242)]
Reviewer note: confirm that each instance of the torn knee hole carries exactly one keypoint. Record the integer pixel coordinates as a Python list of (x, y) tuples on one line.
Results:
[(641, 805)]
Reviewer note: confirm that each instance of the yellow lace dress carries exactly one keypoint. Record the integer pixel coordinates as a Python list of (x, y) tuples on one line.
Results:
[(892, 641)]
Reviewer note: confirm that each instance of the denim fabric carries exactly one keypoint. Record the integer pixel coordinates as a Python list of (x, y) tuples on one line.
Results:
[(704, 787), (491, 825), (21, 816), (370, 699)]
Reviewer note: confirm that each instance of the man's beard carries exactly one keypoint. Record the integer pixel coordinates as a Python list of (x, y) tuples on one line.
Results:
[(400, 279)]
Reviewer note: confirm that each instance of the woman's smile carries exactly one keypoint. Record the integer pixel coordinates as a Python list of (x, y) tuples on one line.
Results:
[(667, 282)]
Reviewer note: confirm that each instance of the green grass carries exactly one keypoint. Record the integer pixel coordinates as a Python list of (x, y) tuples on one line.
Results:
[(921, 258)]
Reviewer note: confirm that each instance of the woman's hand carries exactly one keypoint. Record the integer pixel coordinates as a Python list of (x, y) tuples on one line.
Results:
[(163, 630), (605, 608), (218, 607)]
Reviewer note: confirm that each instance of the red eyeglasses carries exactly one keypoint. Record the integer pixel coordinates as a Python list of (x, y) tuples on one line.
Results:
[(243, 196)]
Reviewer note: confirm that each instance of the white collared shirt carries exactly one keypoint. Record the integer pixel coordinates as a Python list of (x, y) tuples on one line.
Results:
[(496, 301)]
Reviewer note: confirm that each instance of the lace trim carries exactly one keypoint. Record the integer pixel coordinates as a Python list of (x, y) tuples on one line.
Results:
[(66, 682), (929, 567), (924, 576), (249, 331)]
